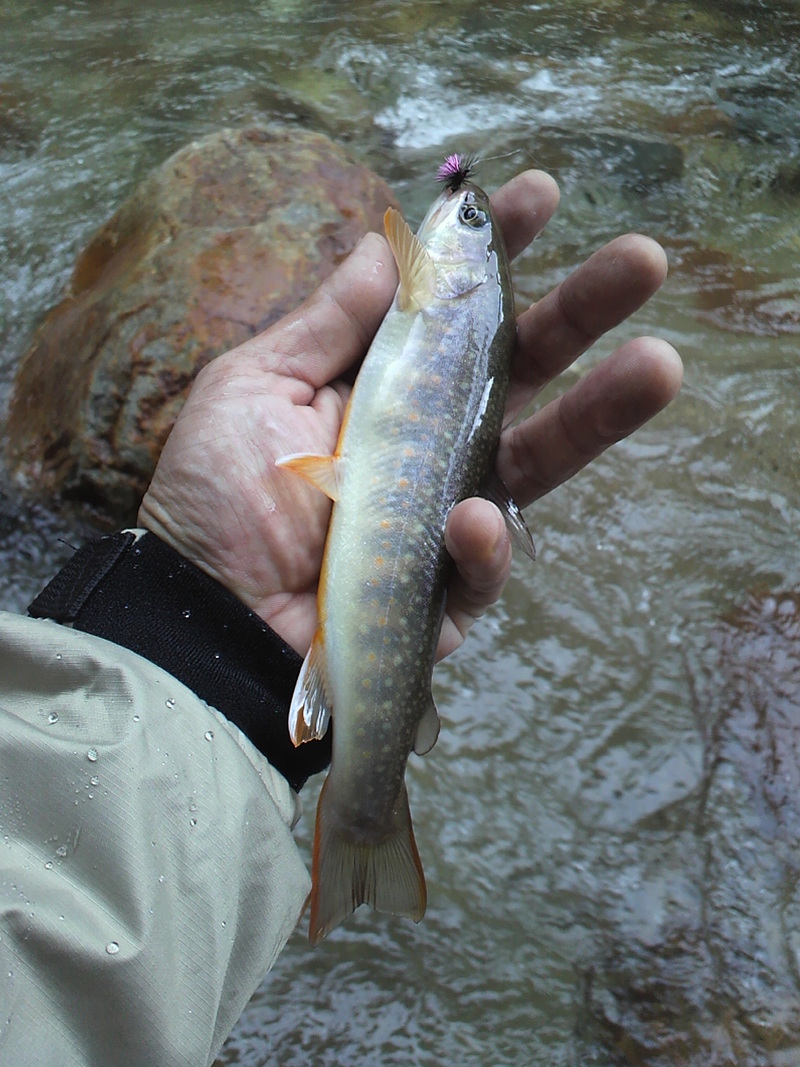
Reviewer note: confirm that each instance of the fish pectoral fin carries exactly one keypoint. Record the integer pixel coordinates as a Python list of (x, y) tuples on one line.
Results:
[(427, 730), (345, 872), (414, 265), (310, 709), (518, 531), (323, 472)]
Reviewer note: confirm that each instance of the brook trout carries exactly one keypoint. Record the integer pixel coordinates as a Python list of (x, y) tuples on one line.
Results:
[(419, 434)]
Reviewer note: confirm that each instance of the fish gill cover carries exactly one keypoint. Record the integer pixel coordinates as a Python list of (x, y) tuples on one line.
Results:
[(455, 170)]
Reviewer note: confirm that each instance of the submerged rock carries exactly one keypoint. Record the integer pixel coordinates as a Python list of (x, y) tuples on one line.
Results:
[(719, 982), (19, 134), (228, 235), (638, 164)]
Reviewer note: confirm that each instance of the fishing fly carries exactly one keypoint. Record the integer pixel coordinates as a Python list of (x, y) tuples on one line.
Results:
[(455, 170)]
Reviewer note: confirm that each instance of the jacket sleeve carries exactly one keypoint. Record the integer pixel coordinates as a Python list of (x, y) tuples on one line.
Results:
[(148, 876)]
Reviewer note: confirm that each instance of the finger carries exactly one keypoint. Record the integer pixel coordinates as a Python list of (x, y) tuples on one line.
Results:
[(605, 290), (333, 328), (523, 207), (476, 539), (614, 398)]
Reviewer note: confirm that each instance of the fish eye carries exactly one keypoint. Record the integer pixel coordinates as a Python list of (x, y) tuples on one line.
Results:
[(472, 216)]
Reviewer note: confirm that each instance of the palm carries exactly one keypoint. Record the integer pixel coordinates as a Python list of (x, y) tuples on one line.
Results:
[(254, 527), (219, 499)]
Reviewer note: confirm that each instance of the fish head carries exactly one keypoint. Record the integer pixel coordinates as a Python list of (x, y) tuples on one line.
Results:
[(464, 240)]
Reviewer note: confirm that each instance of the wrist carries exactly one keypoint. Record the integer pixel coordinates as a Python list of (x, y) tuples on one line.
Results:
[(136, 590)]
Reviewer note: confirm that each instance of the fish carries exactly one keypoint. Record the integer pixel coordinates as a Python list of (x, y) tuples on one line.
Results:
[(419, 434)]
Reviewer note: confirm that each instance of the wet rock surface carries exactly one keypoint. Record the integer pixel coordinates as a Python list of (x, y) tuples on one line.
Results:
[(228, 235), (718, 981)]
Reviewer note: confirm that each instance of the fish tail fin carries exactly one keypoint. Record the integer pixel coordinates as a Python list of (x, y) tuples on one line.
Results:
[(388, 876)]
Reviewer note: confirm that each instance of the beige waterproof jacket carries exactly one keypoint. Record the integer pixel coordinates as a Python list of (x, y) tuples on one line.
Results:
[(148, 876)]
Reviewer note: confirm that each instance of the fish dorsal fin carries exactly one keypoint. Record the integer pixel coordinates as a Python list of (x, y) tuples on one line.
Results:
[(321, 471), (310, 710), (416, 268), (427, 730), (518, 531)]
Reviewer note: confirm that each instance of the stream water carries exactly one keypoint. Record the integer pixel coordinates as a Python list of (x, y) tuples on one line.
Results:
[(582, 909)]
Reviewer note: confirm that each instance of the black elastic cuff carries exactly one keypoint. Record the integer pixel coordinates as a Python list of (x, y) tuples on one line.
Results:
[(136, 591)]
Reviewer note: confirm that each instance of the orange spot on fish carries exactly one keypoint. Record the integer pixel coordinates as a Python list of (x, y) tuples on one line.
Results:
[(379, 561), (413, 416), (402, 483), (382, 620), (385, 524)]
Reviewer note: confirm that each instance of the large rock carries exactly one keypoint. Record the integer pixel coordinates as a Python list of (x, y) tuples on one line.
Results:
[(225, 237)]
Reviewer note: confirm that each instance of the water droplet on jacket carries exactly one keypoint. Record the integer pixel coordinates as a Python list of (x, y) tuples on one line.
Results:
[(52, 717), (193, 822), (90, 796), (58, 655), (186, 613), (161, 879), (209, 735), (91, 755), (135, 718), (112, 948), (49, 865), (94, 780), (61, 850), (170, 702)]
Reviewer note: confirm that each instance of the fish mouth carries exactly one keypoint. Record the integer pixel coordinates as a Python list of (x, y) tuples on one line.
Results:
[(439, 213)]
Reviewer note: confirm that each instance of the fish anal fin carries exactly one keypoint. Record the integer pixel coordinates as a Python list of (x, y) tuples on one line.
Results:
[(310, 709), (347, 872), (427, 730), (496, 491), (323, 472), (414, 265)]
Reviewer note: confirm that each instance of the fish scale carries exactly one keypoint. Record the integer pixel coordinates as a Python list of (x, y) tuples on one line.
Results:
[(419, 435)]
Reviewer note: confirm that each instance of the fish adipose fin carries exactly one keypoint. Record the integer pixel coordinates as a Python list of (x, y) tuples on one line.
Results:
[(414, 265), (518, 531), (427, 730), (321, 471), (346, 873), (310, 710)]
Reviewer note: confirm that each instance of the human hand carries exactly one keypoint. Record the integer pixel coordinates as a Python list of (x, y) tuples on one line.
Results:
[(218, 498)]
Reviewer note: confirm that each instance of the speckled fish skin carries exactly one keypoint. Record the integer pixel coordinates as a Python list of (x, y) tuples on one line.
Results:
[(420, 434)]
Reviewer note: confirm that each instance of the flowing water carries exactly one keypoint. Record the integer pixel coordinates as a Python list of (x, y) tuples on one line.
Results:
[(572, 817)]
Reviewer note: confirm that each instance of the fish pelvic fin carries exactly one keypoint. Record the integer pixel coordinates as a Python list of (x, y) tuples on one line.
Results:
[(310, 709), (323, 472), (427, 729), (345, 873), (496, 491), (414, 265)]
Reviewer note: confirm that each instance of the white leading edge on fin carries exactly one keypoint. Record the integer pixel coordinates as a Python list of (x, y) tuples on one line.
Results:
[(310, 710), (518, 531)]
